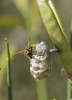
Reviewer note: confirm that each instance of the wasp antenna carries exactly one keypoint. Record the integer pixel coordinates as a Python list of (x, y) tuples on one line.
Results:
[(18, 53), (28, 40)]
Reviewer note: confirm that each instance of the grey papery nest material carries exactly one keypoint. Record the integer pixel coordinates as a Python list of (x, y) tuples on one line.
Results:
[(40, 64)]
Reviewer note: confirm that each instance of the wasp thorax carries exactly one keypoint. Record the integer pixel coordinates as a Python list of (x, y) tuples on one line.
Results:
[(40, 64)]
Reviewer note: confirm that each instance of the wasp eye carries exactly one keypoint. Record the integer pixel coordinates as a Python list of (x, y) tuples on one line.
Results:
[(28, 48)]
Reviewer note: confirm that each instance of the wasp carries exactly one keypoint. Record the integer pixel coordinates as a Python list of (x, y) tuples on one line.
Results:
[(28, 51)]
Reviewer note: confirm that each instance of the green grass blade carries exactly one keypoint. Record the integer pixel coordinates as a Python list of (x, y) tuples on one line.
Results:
[(9, 82), (41, 85), (52, 6), (10, 21), (56, 34), (30, 13), (69, 87), (0, 66), (3, 60), (71, 90), (71, 35), (71, 48)]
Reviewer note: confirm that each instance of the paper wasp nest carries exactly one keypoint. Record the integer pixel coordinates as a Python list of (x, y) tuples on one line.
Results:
[(40, 64)]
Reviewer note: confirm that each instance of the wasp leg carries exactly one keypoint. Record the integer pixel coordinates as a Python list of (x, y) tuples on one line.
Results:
[(26, 54), (55, 50)]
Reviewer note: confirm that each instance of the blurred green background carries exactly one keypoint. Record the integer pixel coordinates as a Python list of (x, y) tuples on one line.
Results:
[(18, 20)]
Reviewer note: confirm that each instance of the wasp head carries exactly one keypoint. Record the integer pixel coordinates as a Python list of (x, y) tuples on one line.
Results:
[(28, 50)]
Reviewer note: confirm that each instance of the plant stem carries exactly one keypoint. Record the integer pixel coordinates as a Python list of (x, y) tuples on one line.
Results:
[(9, 82), (71, 90), (68, 89), (69, 82), (71, 48), (41, 85)]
